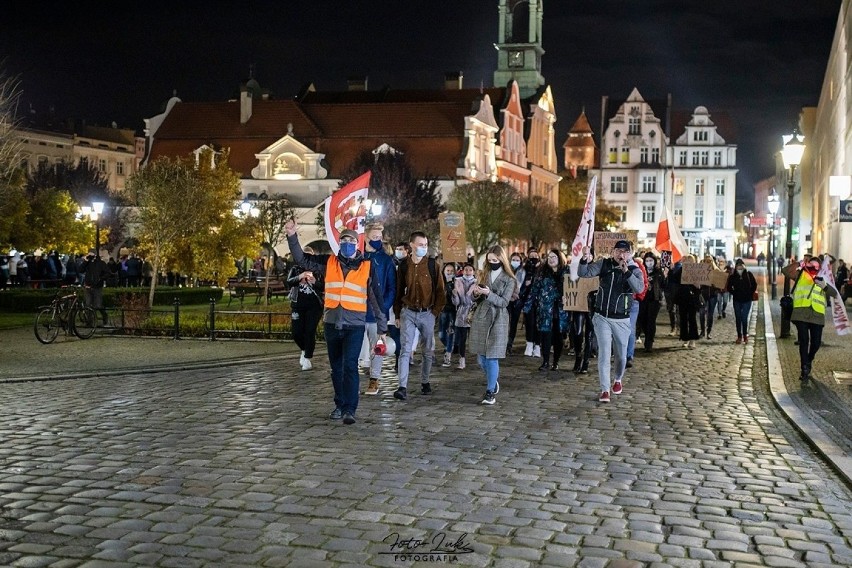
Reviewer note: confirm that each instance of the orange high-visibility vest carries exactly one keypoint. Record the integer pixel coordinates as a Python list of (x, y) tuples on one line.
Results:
[(349, 292)]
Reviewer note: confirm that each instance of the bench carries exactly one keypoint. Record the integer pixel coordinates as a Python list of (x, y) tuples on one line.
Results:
[(242, 288), (276, 288)]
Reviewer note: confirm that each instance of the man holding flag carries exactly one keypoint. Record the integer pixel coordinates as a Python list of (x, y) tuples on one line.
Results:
[(350, 285)]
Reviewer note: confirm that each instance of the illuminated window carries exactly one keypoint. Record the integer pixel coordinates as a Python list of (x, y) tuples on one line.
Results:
[(678, 186)]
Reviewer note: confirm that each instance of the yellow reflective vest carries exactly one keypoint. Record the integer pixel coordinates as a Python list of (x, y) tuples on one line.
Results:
[(807, 295), (349, 291)]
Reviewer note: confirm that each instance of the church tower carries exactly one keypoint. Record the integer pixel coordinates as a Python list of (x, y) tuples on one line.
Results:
[(519, 48)]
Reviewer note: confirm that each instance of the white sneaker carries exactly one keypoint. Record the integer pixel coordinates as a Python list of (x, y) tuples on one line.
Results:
[(537, 351), (528, 352), (447, 360), (306, 365), (461, 363), (302, 358), (691, 344)]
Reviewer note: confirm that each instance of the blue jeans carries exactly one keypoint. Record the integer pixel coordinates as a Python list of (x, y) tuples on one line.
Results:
[(446, 330), (492, 370), (741, 311), (344, 346), (634, 316)]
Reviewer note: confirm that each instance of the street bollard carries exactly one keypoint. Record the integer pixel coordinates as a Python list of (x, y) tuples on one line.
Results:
[(177, 318), (212, 319)]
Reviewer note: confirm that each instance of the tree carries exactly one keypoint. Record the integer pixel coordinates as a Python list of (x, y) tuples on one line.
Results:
[(572, 199), (167, 198), (535, 220), (13, 203), (272, 215), (409, 202), (487, 208)]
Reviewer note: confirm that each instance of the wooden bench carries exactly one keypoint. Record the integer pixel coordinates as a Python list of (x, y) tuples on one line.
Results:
[(242, 288), (277, 288)]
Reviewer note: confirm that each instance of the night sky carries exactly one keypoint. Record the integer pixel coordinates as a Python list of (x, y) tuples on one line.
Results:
[(759, 61)]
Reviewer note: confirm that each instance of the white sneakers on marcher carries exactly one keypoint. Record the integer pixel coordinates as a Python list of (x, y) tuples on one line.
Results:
[(537, 351), (528, 352)]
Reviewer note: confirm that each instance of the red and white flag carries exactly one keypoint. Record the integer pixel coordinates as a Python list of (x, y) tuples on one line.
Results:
[(585, 232), (669, 237), (346, 208), (838, 308)]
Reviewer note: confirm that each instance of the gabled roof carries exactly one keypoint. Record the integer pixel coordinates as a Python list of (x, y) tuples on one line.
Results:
[(725, 125), (222, 120), (581, 125)]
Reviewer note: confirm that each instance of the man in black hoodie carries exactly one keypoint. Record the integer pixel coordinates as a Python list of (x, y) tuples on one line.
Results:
[(620, 278)]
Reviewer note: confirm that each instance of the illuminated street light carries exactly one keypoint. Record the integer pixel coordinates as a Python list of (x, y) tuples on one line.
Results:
[(773, 204), (791, 154)]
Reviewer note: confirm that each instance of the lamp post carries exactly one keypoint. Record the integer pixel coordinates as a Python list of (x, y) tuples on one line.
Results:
[(773, 210), (94, 212), (792, 156)]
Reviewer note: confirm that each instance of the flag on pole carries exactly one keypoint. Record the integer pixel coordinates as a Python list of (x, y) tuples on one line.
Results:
[(585, 231), (669, 237), (838, 308), (346, 208)]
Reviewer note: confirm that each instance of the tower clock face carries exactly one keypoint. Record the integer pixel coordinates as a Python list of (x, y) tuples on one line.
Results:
[(516, 59)]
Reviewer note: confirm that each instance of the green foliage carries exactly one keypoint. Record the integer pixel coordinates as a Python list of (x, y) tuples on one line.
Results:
[(535, 220), (487, 208), (572, 199)]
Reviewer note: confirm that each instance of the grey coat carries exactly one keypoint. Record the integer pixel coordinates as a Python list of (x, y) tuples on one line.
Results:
[(489, 332)]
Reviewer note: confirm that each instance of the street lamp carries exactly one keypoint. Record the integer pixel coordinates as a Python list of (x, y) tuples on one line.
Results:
[(792, 152), (94, 212), (773, 210), (245, 210)]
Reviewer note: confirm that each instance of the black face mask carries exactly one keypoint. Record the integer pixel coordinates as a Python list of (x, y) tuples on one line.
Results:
[(533, 261), (495, 265)]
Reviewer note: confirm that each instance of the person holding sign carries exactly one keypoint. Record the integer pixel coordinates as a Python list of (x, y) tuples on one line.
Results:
[(649, 305), (620, 278), (688, 299), (546, 298)]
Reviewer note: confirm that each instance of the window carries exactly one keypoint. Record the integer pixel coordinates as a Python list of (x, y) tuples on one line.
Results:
[(678, 186), (700, 136), (649, 213), (695, 158), (649, 184), (682, 159), (119, 168), (720, 219), (699, 186), (102, 165), (618, 184), (613, 155), (720, 187), (717, 158), (705, 158), (625, 155), (643, 155), (655, 155), (634, 125), (623, 210), (678, 217), (699, 218), (84, 163)]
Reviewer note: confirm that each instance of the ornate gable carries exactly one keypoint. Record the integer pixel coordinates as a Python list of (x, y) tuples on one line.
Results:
[(289, 159)]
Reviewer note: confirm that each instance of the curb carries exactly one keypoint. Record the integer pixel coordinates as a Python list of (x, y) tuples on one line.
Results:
[(814, 435)]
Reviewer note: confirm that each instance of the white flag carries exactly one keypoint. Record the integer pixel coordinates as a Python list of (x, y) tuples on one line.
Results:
[(586, 230), (838, 308)]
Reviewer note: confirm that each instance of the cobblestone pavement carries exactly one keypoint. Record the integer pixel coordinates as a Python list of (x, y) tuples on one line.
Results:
[(239, 466)]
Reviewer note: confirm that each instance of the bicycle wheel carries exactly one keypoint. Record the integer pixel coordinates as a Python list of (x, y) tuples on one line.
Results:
[(46, 325), (84, 322)]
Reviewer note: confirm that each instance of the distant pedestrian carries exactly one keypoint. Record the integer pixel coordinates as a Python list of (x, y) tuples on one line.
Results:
[(649, 305), (489, 330), (463, 301), (96, 273), (385, 270), (447, 321), (516, 306), (689, 302), (306, 302), (533, 337), (742, 286)]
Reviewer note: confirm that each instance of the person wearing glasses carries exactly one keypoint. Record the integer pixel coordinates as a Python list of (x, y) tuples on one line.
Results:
[(350, 284), (546, 298)]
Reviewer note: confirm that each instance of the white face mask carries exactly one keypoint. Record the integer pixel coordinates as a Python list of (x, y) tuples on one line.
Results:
[(649, 264), (515, 264), (421, 251), (468, 278), (740, 270), (399, 254)]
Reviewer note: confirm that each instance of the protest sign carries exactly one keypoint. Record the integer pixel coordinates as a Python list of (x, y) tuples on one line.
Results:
[(697, 273), (605, 240), (719, 279), (575, 295), (453, 237)]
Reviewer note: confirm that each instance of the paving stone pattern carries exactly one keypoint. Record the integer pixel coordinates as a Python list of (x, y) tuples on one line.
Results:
[(239, 466)]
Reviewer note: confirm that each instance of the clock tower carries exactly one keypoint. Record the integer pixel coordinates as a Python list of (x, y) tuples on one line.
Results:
[(519, 48)]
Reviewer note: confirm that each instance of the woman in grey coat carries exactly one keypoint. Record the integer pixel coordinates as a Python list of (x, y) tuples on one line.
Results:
[(489, 330)]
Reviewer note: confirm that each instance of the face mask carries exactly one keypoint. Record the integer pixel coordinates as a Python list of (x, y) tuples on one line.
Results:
[(515, 264), (468, 278), (348, 249), (377, 245), (399, 254), (495, 265), (449, 277), (533, 261), (421, 251), (649, 264), (740, 270)]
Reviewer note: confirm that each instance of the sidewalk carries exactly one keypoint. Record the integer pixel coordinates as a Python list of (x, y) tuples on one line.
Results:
[(821, 408)]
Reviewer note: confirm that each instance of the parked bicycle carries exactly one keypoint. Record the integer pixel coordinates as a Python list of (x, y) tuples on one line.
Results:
[(67, 312)]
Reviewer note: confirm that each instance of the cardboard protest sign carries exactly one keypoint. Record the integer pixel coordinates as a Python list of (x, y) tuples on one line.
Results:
[(697, 273), (453, 236), (575, 295), (719, 278), (605, 240)]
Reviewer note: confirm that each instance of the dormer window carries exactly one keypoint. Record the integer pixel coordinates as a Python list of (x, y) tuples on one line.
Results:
[(700, 136), (287, 167)]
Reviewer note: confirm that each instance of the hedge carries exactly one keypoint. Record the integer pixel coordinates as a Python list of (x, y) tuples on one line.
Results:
[(24, 300)]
